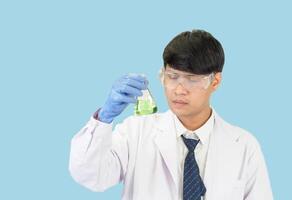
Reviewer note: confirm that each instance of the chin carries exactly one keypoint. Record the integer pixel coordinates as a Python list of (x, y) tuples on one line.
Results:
[(179, 112)]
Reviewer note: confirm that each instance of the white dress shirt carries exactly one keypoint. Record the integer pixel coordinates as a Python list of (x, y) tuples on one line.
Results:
[(201, 150)]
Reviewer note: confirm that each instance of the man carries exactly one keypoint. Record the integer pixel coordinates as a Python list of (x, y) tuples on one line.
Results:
[(188, 152)]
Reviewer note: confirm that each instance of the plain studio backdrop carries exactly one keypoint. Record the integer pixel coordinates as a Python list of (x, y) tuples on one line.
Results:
[(58, 60)]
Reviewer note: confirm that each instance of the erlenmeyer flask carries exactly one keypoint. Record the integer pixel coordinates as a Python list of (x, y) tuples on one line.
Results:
[(145, 104)]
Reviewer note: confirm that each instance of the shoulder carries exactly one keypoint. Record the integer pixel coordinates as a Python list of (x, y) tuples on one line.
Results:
[(240, 135)]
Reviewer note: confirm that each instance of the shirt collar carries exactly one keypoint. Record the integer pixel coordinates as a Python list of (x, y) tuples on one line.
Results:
[(201, 133)]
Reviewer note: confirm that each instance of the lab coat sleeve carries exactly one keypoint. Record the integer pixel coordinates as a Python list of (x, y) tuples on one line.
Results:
[(258, 184), (98, 158)]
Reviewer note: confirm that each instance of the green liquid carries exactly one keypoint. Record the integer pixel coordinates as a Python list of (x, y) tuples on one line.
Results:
[(145, 107)]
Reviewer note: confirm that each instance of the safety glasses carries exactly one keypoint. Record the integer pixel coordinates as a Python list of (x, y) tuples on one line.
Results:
[(170, 79)]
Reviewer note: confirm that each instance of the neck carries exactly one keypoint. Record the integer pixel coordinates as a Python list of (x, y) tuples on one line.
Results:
[(196, 121)]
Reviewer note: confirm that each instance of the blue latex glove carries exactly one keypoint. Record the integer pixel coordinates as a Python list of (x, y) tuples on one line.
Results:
[(124, 91)]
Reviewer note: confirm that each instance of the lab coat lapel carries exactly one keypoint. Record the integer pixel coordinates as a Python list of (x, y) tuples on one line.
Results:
[(221, 140), (166, 143)]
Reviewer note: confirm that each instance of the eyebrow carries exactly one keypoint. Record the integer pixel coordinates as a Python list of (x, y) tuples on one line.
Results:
[(187, 74)]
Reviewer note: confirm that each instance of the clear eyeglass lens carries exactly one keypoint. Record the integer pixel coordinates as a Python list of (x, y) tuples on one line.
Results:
[(171, 80)]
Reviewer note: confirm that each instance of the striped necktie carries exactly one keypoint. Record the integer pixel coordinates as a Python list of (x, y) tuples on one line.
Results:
[(193, 186)]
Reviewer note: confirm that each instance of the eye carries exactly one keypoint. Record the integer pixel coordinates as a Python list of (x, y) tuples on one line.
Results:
[(193, 78), (172, 76)]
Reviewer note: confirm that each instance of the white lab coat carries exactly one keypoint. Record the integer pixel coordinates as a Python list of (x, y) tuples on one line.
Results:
[(142, 154)]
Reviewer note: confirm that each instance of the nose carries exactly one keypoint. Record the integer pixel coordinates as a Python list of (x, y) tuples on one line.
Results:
[(180, 90)]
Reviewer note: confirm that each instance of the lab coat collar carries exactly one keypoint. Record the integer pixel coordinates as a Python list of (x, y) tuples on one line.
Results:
[(202, 133), (164, 123)]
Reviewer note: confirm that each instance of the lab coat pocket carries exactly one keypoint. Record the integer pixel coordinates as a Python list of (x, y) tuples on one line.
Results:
[(238, 190)]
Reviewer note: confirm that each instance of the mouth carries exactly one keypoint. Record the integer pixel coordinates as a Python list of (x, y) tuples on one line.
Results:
[(179, 103)]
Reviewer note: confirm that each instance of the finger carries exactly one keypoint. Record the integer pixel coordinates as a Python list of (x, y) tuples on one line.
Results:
[(131, 91), (123, 88), (124, 98), (136, 84), (138, 77)]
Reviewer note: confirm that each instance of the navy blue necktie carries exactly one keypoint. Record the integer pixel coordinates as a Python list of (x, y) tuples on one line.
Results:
[(193, 186)]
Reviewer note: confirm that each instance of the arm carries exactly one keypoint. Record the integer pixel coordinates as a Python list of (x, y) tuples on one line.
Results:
[(98, 158), (258, 183)]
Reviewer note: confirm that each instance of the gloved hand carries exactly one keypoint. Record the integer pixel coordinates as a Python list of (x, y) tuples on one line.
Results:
[(124, 91)]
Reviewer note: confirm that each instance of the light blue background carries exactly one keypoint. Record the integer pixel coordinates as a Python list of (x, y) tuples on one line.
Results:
[(58, 60)]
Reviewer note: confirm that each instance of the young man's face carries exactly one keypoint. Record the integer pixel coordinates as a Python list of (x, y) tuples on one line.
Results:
[(188, 95)]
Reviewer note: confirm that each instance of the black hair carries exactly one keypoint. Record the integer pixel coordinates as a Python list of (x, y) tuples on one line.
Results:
[(196, 52)]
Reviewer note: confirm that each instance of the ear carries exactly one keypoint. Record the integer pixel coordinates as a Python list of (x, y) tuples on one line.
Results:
[(216, 81)]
